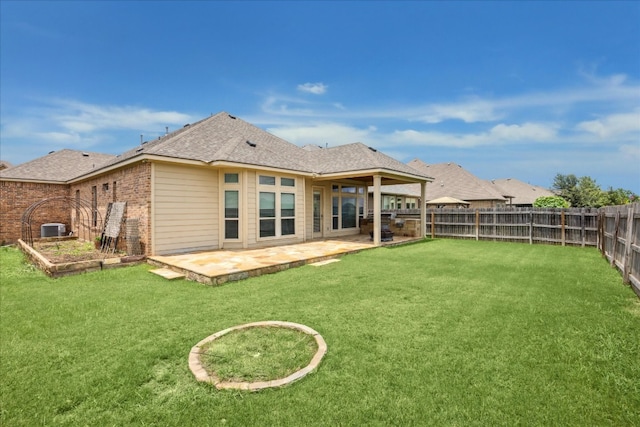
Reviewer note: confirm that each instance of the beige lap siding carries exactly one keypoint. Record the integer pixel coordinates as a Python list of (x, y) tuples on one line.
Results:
[(185, 209)]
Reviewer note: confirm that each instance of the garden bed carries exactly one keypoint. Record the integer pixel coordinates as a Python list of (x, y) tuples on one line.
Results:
[(63, 257)]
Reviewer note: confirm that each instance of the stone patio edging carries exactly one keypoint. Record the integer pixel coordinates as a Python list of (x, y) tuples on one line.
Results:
[(201, 374)]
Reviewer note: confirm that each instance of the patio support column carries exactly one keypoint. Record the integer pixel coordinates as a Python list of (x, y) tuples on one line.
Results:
[(377, 202), (423, 209)]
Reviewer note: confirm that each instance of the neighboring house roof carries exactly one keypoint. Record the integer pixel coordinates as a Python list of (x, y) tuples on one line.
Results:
[(452, 180), (522, 193), (447, 201), (57, 166), (4, 165)]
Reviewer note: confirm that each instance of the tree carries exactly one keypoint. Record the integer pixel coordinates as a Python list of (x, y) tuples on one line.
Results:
[(585, 192), (566, 186), (550, 202), (590, 194), (619, 197)]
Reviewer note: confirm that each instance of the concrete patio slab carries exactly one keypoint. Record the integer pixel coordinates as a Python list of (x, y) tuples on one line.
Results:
[(218, 267)]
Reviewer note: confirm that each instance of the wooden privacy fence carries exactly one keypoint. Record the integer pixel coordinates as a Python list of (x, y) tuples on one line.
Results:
[(619, 241), (527, 225)]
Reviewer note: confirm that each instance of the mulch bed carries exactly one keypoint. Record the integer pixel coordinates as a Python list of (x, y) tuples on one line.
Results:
[(64, 251)]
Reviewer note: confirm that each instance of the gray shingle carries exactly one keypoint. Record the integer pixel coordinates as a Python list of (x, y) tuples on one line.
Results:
[(452, 180), (522, 193), (59, 166)]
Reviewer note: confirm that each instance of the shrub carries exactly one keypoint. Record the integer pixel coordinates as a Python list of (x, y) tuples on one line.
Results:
[(550, 202)]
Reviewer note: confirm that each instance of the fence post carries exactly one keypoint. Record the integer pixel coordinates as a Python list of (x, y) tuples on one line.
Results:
[(583, 232), (562, 237), (433, 224), (626, 259), (615, 238), (531, 227), (477, 224)]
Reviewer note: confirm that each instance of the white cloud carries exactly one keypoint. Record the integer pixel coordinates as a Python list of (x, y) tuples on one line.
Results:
[(612, 125), (325, 133), (314, 88), (82, 117), (524, 132), (497, 135), (469, 112), (63, 123)]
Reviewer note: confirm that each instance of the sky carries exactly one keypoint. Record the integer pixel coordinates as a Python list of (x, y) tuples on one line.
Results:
[(523, 90)]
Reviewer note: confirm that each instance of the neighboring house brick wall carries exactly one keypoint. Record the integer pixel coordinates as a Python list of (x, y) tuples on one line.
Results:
[(482, 204), (132, 185), (16, 197)]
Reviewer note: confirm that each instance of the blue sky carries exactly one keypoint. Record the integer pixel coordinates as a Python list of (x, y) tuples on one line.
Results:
[(521, 90)]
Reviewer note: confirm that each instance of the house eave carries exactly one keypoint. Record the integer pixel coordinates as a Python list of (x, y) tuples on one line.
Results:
[(236, 165), (133, 160), (33, 181), (389, 176)]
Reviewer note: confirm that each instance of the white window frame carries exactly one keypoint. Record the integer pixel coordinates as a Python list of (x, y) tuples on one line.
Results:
[(281, 186), (231, 186)]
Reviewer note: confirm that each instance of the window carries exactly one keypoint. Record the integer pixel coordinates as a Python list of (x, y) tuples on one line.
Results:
[(349, 212), (410, 202), (387, 201), (287, 182), (267, 180), (287, 213), (277, 206), (114, 191), (267, 214), (231, 206), (231, 214), (231, 178), (346, 206)]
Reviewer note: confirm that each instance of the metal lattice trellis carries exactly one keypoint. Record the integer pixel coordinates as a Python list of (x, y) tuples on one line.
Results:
[(88, 221)]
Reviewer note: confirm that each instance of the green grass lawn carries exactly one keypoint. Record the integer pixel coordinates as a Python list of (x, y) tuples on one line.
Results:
[(444, 332)]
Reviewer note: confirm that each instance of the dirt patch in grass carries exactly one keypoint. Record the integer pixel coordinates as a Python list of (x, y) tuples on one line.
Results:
[(63, 251)]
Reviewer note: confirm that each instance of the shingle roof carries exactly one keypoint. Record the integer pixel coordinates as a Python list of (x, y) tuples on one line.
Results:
[(522, 193), (354, 157), (221, 138), (58, 166), (452, 180), (5, 165)]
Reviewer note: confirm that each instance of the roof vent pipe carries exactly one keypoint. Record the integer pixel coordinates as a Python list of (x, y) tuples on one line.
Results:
[(166, 130)]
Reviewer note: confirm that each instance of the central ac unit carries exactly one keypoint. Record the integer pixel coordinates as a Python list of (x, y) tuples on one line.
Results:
[(53, 229)]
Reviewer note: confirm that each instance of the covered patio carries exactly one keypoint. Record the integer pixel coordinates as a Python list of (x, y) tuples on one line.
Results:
[(221, 266)]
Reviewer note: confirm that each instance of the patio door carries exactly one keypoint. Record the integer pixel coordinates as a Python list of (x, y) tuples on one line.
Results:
[(317, 213)]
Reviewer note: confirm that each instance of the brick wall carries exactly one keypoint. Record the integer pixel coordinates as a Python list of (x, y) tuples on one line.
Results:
[(16, 197), (132, 185)]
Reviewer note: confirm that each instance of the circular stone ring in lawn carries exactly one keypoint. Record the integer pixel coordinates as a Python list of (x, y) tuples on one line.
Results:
[(202, 374)]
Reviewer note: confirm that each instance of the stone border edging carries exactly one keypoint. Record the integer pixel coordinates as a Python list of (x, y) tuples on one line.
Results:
[(201, 374)]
